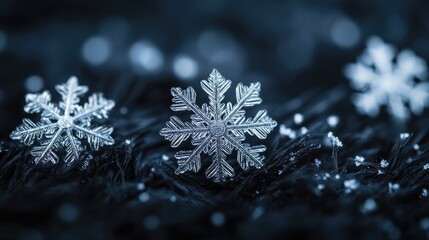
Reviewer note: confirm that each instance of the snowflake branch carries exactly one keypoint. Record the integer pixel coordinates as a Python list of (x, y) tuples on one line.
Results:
[(106, 138), (252, 93), (256, 162), (73, 147), (97, 105), (183, 167), (49, 146), (176, 92), (41, 103)]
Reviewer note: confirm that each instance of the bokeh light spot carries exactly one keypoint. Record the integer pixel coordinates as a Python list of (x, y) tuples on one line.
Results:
[(96, 50), (185, 67), (34, 83)]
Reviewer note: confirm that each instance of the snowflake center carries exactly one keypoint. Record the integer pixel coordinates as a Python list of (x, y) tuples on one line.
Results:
[(389, 84), (217, 129), (65, 122)]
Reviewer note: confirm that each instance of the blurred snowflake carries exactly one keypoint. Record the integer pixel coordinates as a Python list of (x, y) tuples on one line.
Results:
[(217, 128), (385, 79), (66, 125)]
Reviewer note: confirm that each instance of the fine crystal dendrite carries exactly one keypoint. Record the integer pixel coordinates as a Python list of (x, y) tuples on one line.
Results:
[(382, 78), (217, 128), (64, 125)]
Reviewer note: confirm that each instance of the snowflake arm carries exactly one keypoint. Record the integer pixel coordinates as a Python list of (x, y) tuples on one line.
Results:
[(70, 92), (185, 100), (247, 156), (97, 137), (246, 97), (37, 103), (28, 132), (219, 169), (45, 151), (261, 125), (96, 106), (215, 87), (191, 160), (177, 131)]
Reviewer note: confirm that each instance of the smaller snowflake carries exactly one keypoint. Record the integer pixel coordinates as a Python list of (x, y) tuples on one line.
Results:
[(385, 79), (64, 125)]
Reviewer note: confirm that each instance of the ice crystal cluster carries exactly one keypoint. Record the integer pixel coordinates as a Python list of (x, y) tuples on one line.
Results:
[(217, 128), (384, 79), (65, 125)]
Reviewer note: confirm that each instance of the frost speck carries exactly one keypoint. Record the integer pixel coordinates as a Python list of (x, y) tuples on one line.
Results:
[(359, 160), (382, 78), (424, 193), (317, 162), (64, 125), (334, 140), (426, 166), (217, 128), (285, 131), (351, 185), (404, 136), (393, 187), (298, 118), (384, 163)]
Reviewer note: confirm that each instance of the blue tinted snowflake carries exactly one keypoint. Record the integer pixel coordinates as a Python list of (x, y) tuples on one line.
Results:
[(64, 125), (382, 78), (217, 129)]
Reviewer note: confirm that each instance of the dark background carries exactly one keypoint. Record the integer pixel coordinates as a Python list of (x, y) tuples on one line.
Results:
[(135, 51)]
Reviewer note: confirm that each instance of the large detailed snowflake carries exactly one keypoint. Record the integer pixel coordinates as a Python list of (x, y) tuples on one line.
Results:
[(65, 125), (385, 79), (217, 128)]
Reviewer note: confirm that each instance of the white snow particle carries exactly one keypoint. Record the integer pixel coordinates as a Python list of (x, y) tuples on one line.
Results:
[(351, 185), (317, 162), (218, 128), (298, 118), (335, 140), (416, 146), (382, 78), (424, 192), (283, 130), (359, 160), (165, 157), (304, 130), (426, 166), (64, 125), (393, 187), (384, 163)]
